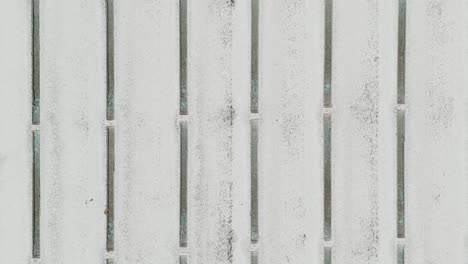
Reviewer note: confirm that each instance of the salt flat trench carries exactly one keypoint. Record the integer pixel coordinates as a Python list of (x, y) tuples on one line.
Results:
[(233, 131)]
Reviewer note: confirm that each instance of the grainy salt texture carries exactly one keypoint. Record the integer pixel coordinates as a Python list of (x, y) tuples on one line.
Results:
[(364, 148), (73, 141), (290, 132), (290, 122), (15, 132), (218, 101), (436, 132), (147, 133)]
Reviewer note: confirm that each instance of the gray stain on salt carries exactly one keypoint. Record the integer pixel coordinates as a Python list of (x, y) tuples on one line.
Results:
[(292, 105), (89, 201), (226, 238), (216, 246), (366, 111), (440, 112), (441, 107), (53, 169)]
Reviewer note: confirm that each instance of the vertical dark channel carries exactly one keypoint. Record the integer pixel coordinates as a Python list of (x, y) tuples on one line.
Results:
[(36, 171), (254, 257), (401, 120), (183, 184), (36, 194), (254, 232), (327, 126), (327, 231), (401, 254), (110, 187), (401, 134), (327, 254), (110, 59), (110, 127), (401, 173), (35, 64), (327, 76), (183, 56), (254, 180), (183, 111), (401, 51), (254, 58), (183, 259)]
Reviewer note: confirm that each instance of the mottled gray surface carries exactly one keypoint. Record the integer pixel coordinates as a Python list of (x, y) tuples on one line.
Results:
[(271, 132)]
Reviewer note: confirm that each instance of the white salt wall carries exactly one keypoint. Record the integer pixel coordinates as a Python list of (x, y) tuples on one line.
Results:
[(15, 132), (290, 132), (364, 131), (218, 131), (290, 121), (73, 173), (147, 133), (436, 132)]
